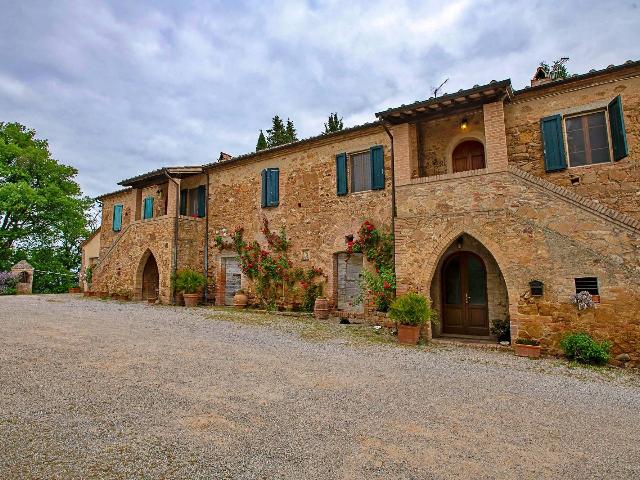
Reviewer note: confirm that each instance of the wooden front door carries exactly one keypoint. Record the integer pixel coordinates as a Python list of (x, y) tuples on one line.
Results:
[(150, 279), (464, 295), (232, 279), (468, 155), (349, 272)]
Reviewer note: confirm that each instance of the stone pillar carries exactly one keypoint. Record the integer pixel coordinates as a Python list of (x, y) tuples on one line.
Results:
[(173, 197), (495, 137), (405, 152), (25, 271)]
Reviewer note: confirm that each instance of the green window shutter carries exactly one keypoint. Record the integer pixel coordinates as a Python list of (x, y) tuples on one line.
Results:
[(618, 133), (274, 187), (264, 188), (341, 174), (202, 200), (377, 168), (553, 142), (148, 208), (117, 218), (183, 202)]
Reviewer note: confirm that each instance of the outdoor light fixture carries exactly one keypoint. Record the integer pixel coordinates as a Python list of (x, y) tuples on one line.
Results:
[(464, 124), (459, 242)]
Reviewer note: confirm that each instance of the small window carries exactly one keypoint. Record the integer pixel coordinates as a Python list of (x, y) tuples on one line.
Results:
[(588, 139), (270, 187), (588, 284)]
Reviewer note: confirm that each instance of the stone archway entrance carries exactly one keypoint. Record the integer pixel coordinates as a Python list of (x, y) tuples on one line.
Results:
[(150, 279), (464, 295), (468, 290)]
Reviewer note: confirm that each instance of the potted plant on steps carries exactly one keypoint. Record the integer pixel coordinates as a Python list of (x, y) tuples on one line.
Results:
[(190, 283), (410, 312), (527, 347)]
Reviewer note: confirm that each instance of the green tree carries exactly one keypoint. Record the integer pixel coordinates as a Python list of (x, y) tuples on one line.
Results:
[(262, 142), (334, 124), (292, 135), (558, 69), (42, 209), (277, 134)]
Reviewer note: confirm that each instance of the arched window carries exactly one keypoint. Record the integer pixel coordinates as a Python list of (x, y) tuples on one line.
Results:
[(469, 155)]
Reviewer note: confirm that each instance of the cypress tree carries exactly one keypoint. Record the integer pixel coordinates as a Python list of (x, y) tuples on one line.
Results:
[(262, 142), (291, 132), (277, 134), (334, 124)]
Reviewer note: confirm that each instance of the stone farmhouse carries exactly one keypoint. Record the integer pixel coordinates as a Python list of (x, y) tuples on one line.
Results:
[(503, 203)]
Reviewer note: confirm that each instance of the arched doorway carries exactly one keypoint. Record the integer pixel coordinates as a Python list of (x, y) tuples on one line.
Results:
[(464, 295), (469, 155), (150, 279)]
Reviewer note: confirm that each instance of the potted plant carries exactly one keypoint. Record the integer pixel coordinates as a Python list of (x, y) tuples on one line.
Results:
[(410, 312), (190, 282), (527, 347), (74, 289), (240, 299), (501, 328)]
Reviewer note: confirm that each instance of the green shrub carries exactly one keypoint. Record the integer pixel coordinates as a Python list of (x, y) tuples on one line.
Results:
[(501, 328), (412, 309), (584, 349), (312, 292), (527, 341), (189, 281)]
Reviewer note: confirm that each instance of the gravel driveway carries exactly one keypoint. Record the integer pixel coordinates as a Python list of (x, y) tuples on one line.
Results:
[(95, 389)]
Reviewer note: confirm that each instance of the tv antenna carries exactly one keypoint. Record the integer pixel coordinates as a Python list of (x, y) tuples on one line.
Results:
[(436, 90)]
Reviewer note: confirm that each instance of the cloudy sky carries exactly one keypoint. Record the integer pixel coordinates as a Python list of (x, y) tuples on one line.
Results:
[(123, 87)]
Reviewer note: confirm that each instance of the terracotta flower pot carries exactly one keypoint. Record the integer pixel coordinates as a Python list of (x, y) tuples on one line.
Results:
[(191, 299), (240, 300), (531, 351), (74, 290), (408, 334), (321, 308)]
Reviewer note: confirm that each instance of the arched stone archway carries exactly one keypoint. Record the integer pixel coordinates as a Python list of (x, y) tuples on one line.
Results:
[(471, 136), (468, 288), (147, 282)]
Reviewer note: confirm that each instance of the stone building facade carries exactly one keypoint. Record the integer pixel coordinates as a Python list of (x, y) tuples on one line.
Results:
[(503, 205)]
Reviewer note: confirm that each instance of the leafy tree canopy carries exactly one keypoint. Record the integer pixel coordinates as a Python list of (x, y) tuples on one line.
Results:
[(279, 134), (334, 124), (558, 69), (42, 209)]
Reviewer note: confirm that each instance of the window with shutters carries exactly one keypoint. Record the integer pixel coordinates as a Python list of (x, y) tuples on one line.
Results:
[(270, 187), (147, 211), (117, 217), (363, 171), (588, 139), (193, 201)]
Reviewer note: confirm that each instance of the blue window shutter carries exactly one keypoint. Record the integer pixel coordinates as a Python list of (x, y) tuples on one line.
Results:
[(377, 168), (264, 188), (148, 208), (183, 202), (553, 142), (341, 174), (117, 218), (618, 133), (202, 200), (274, 187)]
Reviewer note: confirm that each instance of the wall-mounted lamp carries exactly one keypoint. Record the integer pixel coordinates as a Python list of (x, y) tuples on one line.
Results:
[(459, 242), (464, 124)]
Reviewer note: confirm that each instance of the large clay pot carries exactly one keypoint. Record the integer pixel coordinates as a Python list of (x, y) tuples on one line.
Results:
[(191, 299), (240, 300), (531, 351), (179, 298), (321, 308), (408, 334)]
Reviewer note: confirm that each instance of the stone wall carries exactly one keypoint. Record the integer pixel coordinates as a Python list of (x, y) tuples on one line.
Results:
[(533, 233), (315, 218), (617, 184)]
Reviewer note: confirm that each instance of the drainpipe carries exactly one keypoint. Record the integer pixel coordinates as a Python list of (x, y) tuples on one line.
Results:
[(174, 260), (206, 242), (393, 194)]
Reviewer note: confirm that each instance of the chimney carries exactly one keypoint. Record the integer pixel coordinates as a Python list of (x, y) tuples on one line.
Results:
[(541, 77), (224, 157)]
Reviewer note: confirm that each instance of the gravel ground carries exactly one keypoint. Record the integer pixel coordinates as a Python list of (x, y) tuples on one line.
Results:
[(95, 389)]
